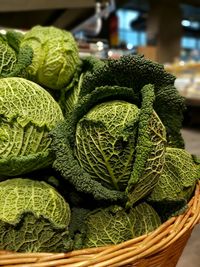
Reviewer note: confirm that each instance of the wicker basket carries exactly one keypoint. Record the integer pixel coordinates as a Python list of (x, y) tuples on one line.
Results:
[(161, 248)]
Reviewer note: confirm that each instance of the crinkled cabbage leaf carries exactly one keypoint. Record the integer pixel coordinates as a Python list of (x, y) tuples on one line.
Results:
[(27, 114), (176, 184), (178, 178), (134, 72), (101, 146), (55, 56), (111, 144), (34, 217), (114, 225)]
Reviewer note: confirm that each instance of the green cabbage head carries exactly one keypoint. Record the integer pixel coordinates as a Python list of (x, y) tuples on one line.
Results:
[(176, 184), (33, 217), (113, 144), (27, 114), (113, 225), (55, 56)]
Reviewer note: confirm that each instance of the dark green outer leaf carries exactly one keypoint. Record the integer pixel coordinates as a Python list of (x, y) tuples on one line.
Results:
[(8, 57), (168, 209), (13, 59), (134, 71), (14, 39), (24, 59), (150, 150), (169, 105)]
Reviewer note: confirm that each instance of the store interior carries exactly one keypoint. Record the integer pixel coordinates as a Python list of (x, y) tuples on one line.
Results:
[(165, 31)]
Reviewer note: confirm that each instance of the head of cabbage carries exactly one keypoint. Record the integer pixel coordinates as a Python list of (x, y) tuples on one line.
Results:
[(27, 114), (112, 145), (112, 225), (55, 56), (34, 217)]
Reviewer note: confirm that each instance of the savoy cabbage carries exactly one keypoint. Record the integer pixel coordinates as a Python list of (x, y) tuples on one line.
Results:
[(27, 114), (176, 183), (134, 71), (116, 147), (113, 225), (113, 144), (55, 56), (34, 217)]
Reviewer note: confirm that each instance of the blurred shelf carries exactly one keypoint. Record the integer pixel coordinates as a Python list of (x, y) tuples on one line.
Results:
[(183, 67), (24, 5), (187, 80), (192, 101)]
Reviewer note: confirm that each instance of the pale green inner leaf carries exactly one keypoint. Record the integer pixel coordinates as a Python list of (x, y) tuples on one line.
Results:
[(103, 148)]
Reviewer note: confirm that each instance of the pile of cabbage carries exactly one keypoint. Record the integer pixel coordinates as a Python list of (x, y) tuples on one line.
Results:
[(91, 152)]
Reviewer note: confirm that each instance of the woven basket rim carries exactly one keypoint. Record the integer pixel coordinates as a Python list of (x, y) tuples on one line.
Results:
[(121, 254)]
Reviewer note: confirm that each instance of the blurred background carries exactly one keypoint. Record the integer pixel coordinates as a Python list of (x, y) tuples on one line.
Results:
[(166, 31)]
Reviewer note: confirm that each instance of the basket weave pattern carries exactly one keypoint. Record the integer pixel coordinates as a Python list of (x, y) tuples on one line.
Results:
[(160, 248)]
